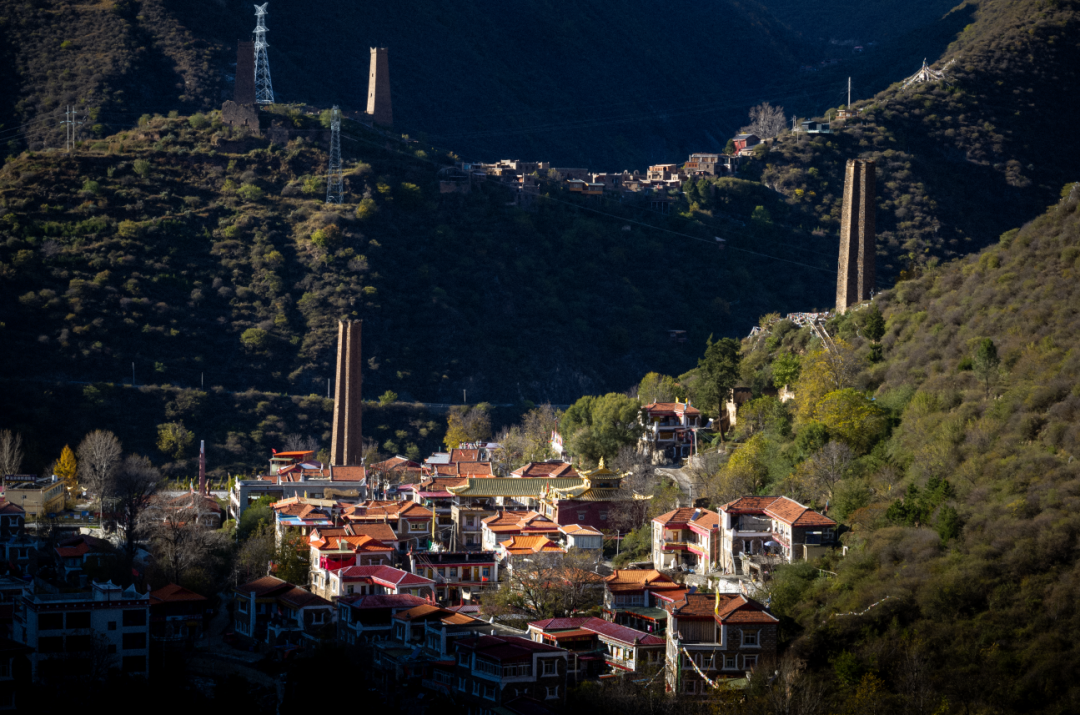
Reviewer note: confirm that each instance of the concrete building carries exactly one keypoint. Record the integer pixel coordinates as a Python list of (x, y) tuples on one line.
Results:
[(106, 627), (379, 107), (687, 538), (37, 497), (669, 428), (757, 533)]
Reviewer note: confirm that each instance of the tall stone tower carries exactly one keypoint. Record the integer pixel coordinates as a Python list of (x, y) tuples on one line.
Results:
[(346, 446), (855, 279), (378, 92), (244, 88)]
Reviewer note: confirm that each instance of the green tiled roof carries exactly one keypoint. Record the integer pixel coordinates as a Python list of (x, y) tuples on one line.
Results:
[(511, 486)]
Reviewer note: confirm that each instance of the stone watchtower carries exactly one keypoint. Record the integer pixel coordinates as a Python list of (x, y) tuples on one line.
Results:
[(855, 279), (347, 442), (244, 87), (378, 94)]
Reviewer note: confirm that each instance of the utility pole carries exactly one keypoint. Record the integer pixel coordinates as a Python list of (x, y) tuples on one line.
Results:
[(849, 94), (69, 127), (264, 91), (133, 374), (334, 180)]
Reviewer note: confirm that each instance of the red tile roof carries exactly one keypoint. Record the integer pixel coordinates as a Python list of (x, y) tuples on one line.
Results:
[(748, 505), (7, 507), (173, 593), (464, 455), (678, 408), (520, 521), (385, 574), (506, 648), (265, 587), (740, 609), (382, 532), (706, 519), (551, 469), (623, 634), (792, 512), (348, 474), (475, 469), (394, 463), (386, 510), (518, 545), (384, 600), (301, 598), (693, 605)]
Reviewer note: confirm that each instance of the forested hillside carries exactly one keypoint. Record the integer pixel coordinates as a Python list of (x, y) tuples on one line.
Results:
[(945, 438)]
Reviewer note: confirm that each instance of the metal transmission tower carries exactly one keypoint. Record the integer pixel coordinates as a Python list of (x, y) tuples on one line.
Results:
[(264, 91), (335, 188)]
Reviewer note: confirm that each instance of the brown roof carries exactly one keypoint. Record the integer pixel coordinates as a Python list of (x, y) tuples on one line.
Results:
[(748, 504), (517, 545), (265, 587), (301, 598), (474, 469), (382, 532), (348, 474), (394, 463), (706, 518), (508, 521), (439, 484), (386, 510), (694, 605)]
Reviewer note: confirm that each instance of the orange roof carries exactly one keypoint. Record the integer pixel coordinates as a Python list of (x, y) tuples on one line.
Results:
[(639, 580), (357, 544), (394, 463), (753, 504), (417, 612), (440, 484), (292, 455), (694, 605), (173, 594), (348, 474), (508, 521), (382, 532), (579, 530), (706, 519), (464, 455), (517, 545), (386, 510)]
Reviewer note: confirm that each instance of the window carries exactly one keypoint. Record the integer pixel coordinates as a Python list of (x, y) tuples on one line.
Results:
[(463, 658), (134, 664), (476, 688), (581, 516), (5, 668), (51, 644), (749, 661), (80, 644), (549, 667), (689, 686), (134, 641), (50, 621), (603, 515), (78, 620), (243, 608), (489, 692), (551, 692), (461, 683), (135, 618), (750, 639), (487, 572), (729, 662)]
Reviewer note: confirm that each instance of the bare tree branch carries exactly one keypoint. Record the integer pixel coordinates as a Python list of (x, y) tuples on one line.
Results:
[(767, 121), (11, 452)]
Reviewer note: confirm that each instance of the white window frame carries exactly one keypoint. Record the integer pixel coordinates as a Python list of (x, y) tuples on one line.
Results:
[(550, 667), (551, 692), (750, 661), (751, 639)]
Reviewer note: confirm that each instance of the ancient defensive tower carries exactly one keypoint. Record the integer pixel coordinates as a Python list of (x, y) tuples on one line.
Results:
[(378, 93), (855, 279), (244, 89), (346, 446)]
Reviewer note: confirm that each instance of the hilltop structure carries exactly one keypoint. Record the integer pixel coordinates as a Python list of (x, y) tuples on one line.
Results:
[(378, 101), (346, 446), (244, 87), (855, 277)]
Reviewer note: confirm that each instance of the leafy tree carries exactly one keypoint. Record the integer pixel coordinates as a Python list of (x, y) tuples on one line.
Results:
[(292, 560), (141, 167), (655, 387), (785, 369), (255, 339), (67, 469), (174, 439), (822, 372), (948, 524), (719, 373), (986, 364), (255, 553), (387, 398), (257, 515), (467, 424), (595, 427), (746, 473), (729, 148), (529, 441), (875, 324), (853, 418)]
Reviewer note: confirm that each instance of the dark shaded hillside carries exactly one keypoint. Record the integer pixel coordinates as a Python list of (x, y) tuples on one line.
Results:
[(958, 161), (161, 247)]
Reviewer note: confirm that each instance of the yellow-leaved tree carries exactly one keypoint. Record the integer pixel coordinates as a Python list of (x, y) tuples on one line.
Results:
[(746, 473), (67, 470), (821, 372), (852, 418)]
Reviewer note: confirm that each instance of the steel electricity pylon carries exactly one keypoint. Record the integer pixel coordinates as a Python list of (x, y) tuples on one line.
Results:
[(264, 91), (335, 185)]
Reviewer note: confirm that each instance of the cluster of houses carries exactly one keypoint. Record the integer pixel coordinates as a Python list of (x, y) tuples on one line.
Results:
[(656, 182), (401, 556)]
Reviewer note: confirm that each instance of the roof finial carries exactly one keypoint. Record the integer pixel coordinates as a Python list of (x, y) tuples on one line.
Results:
[(601, 463)]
